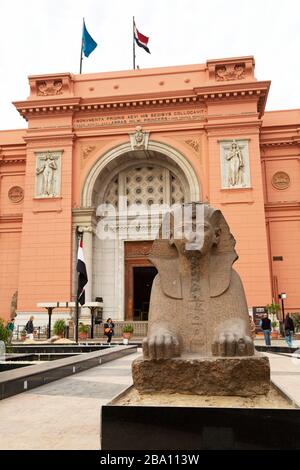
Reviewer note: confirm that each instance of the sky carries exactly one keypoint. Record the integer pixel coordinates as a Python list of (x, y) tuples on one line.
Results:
[(44, 36)]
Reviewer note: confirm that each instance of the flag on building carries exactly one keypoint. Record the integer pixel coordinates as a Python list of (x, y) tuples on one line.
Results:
[(82, 274), (88, 43), (140, 39)]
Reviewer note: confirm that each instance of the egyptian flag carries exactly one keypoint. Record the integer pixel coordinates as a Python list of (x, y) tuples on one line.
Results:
[(82, 275), (140, 39)]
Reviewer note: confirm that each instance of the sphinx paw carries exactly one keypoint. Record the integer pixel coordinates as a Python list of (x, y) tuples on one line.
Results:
[(231, 344), (161, 346)]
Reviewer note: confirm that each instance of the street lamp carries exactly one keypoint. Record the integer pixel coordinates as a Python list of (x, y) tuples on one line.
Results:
[(282, 296)]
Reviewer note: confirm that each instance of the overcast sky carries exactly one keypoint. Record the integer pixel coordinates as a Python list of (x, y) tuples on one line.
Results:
[(44, 36)]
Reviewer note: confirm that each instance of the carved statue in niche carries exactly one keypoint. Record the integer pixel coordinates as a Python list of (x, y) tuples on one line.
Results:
[(47, 169), (197, 300), (235, 165)]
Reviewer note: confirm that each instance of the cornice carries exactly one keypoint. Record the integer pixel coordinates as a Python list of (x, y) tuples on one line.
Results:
[(280, 206), (222, 91), (11, 218), (5, 160), (57, 137), (280, 142), (41, 107)]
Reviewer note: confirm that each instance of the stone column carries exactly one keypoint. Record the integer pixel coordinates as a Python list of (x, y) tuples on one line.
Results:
[(85, 316), (88, 255)]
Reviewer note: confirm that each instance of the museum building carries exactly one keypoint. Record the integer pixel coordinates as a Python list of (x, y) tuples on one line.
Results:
[(147, 137)]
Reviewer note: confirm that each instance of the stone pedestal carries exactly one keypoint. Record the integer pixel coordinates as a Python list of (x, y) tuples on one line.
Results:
[(238, 376)]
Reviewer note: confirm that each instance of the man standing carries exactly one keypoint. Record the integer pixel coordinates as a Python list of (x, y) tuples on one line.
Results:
[(289, 330), (266, 327)]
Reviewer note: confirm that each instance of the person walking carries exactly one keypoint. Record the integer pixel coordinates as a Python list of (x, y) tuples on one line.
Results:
[(266, 327), (10, 327), (29, 328), (289, 330), (109, 329)]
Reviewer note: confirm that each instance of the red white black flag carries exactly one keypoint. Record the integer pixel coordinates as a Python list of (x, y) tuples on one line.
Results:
[(140, 39), (82, 274)]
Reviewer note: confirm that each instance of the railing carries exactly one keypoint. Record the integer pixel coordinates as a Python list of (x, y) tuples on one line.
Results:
[(39, 332), (140, 329)]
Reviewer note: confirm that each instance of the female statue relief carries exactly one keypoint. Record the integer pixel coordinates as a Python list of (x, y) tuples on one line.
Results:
[(235, 165)]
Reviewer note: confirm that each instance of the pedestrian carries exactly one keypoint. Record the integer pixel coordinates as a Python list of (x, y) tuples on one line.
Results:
[(289, 330), (10, 327), (266, 327), (29, 328), (252, 327), (109, 329)]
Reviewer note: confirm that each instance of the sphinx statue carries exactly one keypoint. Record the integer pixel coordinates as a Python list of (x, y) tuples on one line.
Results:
[(198, 310), (198, 304)]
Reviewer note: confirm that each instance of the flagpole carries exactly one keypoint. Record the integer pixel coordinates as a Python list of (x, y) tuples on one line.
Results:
[(81, 57), (133, 43), (78, 236)]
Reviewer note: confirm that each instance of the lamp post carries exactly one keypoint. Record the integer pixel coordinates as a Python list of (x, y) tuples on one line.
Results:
[(282, 296)]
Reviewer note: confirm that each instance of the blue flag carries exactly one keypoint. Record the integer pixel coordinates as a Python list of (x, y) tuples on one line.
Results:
[(88, 43)]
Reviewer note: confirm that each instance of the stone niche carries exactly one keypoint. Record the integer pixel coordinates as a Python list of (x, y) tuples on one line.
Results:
[(234, 164), (48, 174)]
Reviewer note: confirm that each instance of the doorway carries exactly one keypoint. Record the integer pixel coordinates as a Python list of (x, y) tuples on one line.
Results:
[(142, 283), (139, 275)]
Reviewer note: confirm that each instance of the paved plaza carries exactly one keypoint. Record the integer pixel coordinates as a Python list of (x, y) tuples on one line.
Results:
[(66, 414)]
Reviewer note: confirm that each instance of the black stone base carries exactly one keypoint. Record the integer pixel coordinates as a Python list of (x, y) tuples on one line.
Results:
[(184, 428)]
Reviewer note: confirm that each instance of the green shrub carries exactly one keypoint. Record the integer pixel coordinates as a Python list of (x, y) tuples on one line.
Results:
[(59, 327), (4, 333), (273, 308), (127, 328), (83, 328)]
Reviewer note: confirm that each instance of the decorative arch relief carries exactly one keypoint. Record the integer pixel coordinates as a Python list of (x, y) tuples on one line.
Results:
[(139, 139), (234, 161)]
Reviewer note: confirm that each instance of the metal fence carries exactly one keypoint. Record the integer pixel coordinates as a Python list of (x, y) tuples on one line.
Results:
[(140, 329)]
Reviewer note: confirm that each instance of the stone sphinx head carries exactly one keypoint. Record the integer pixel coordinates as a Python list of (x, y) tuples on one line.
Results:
[(194, 231)]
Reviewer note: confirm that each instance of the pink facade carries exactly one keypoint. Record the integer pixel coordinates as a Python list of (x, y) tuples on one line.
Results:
[(83, 125)]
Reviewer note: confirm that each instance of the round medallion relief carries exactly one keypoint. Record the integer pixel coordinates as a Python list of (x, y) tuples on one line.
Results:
[(281, 180), (16, 194)]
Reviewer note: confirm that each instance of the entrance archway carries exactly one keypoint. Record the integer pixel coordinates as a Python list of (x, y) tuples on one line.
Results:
[(159, 175)]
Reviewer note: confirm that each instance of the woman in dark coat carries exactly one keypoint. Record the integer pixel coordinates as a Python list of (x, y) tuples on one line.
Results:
[(109, 329)]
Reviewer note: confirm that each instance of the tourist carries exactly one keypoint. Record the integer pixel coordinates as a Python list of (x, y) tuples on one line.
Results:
[(109, 329), (266, 327), (289, 330), (29, 328), (252, 327), (10, 327)]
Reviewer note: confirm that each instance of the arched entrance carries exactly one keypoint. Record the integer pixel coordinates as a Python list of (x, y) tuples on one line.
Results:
[(119, 268)]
